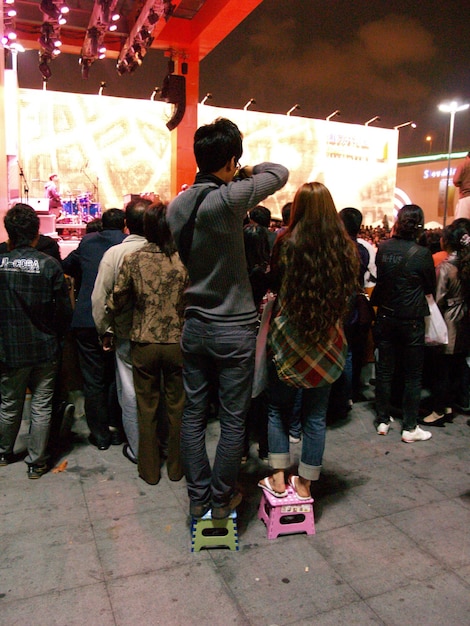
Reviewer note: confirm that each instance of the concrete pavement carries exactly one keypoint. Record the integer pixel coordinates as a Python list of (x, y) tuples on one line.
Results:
[(95, 545)]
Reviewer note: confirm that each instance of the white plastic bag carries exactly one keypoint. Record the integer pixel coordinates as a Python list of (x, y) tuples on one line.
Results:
[(435, 333)]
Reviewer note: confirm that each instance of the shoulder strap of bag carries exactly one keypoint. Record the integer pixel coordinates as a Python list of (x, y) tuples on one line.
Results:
[(187, 232)]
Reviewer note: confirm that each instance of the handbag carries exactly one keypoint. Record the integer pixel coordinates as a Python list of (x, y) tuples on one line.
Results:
[(435, 328), (260, 379)]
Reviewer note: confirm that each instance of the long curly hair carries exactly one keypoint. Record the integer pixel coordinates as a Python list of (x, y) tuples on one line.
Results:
[(319, 264)]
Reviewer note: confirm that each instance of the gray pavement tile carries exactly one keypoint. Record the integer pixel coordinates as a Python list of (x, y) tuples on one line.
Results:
[(111, 493), (192, 594), (285, 581), (442, 600), (48, 559), (440, 529), (71, 607), (354, 614), (144, 542), (51, 501), (375, 556), (447, 472)]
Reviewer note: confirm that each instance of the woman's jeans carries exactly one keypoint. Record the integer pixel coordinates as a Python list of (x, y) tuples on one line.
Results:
[(399, 341), (313, 417)]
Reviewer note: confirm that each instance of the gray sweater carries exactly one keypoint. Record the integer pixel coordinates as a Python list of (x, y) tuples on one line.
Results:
[(220, 289)]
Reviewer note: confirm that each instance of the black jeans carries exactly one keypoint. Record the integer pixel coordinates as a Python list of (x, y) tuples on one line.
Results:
[(394, 337), (99, 384)]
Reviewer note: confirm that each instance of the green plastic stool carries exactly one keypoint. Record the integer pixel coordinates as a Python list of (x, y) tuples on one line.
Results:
[(214, 533)]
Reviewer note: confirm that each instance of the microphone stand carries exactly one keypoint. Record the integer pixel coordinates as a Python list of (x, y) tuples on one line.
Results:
[(25, 184)]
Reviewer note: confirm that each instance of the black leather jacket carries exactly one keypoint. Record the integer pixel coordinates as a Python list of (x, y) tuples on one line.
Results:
[(405, 275)]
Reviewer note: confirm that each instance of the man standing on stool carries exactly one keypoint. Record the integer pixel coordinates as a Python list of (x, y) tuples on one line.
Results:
[(219, 334)]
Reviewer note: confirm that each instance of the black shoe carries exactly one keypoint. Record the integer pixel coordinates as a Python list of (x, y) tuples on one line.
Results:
[(4, 460), (127, 453), (116, 437), (222, 512), (101, 445), (199, 510), (36, 471)]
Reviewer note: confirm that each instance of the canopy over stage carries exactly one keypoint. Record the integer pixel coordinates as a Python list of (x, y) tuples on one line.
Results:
[(187, 30)]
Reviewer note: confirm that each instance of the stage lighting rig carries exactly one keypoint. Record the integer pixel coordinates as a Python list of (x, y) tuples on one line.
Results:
[(140, 38), (101, 20), (54, 12)]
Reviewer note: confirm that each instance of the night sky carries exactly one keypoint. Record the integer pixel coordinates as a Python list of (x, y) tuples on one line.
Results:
[(395, 59)]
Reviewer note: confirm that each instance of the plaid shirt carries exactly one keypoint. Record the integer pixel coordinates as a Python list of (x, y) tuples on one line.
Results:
[(35, 307)]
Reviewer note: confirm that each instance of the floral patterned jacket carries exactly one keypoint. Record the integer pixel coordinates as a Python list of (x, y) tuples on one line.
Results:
[(152, 285)]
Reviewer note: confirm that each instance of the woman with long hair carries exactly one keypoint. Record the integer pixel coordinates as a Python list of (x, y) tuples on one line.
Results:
[(452, 298), (315, 266)]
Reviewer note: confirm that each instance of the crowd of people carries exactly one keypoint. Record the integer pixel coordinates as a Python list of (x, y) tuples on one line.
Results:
[(198, 308)]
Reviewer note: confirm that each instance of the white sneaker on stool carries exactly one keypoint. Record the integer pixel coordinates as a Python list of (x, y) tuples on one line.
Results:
[(383, 428), (418, 434)]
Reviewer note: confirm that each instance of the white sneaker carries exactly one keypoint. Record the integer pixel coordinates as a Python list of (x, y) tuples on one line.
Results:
[(418, 434), (293, 439), (383, 428)]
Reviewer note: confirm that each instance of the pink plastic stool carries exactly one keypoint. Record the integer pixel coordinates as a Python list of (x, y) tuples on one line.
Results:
[(285, 516)]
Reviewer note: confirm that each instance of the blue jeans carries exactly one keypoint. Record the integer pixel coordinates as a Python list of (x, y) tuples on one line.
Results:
[(313, 416), (13, 385), (224, 356), (399, 341)]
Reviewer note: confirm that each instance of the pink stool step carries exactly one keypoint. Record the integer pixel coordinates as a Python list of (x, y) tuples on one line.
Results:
[(285, 516)]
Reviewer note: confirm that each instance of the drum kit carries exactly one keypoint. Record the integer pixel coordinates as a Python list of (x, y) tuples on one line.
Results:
[(80, 208)]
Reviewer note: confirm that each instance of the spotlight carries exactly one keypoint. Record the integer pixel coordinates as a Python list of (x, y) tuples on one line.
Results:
[(152, 17), (376, 118), (332, 115), (44, 60), (155, 92), (49, 8), (412, 124), (292, 109), (208, 96), (249, 103)]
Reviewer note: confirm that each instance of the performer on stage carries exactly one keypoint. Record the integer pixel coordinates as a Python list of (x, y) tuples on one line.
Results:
[(52, 192)]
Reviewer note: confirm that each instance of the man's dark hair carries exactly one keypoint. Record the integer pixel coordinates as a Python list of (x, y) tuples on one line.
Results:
[(135, 210), (22, 225), (261, 215), (352, 220), (215, 144), (113, 219), (156, 229), (410, 222)]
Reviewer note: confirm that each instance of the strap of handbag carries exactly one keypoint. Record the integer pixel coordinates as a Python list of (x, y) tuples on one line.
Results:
[(187, 232)]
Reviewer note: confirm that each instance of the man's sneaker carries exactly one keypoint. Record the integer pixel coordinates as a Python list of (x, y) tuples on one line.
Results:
[(4, 460), (418, 434), (383, 428), (293, 439), (36, 471)]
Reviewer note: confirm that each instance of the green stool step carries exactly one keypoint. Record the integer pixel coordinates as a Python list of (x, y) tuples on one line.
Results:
[(214, 533)]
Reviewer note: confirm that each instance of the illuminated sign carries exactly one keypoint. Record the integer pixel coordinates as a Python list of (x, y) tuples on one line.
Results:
[(438, 173)]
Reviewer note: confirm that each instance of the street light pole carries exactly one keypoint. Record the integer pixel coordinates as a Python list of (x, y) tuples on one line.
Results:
[(452, 108)]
